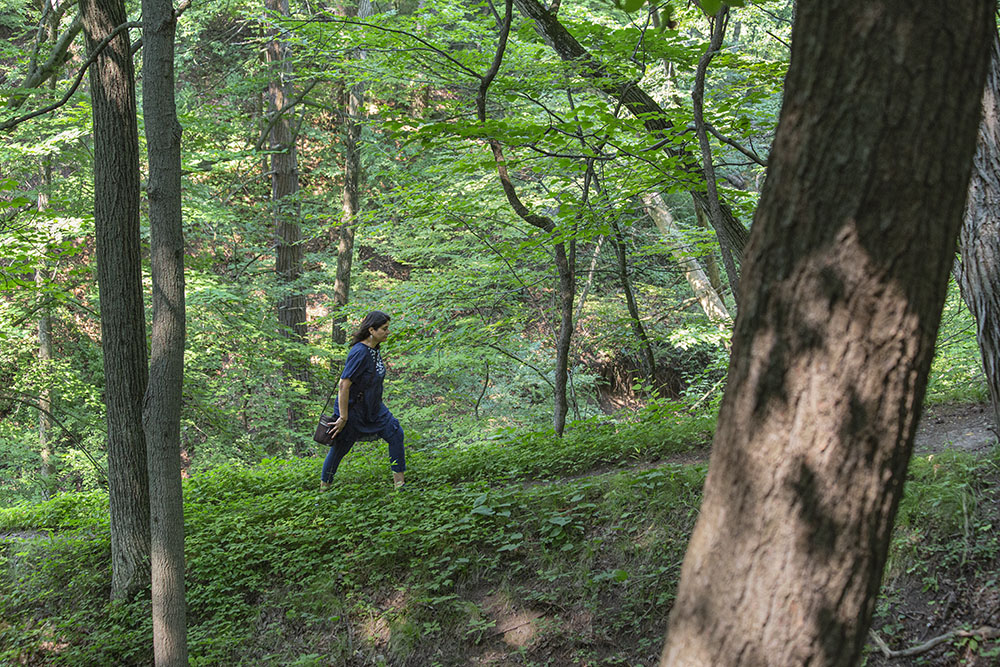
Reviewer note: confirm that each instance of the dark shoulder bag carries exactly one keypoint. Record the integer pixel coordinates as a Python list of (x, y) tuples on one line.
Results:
[(323, 433)]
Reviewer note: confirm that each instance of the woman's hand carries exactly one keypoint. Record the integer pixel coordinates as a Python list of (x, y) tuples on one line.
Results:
[(338, 426)]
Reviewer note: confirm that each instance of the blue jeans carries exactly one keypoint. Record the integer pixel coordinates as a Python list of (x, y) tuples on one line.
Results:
[(391, 432)]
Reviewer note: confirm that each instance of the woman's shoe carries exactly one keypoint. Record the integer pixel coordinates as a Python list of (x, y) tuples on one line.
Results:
[(323, 486)]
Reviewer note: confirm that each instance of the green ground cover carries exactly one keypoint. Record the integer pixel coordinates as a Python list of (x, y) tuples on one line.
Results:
[(524, 547)]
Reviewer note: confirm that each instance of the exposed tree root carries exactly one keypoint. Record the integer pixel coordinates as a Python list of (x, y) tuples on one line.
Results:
[(984, 632)]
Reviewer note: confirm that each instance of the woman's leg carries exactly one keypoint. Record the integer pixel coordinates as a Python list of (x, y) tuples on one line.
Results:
[(393, 434), (338, 450)]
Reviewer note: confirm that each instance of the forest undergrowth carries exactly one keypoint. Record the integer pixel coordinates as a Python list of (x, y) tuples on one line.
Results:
[(524, 549)]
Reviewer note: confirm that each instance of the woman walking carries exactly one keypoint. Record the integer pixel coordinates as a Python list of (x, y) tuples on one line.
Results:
[(360, 412)]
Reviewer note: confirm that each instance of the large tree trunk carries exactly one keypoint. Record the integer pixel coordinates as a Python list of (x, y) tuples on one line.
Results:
[(284, 192), (978, 273), (354, 104), (843, 284), (166, 372), (119, 275)]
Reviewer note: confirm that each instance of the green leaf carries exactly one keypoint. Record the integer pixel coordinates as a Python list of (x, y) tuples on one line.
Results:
[(711, 7)]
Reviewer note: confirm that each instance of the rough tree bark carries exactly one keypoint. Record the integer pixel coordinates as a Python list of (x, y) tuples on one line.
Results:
[(844, 279), (978, 273), (354, 103), (162, 412), (119, 276), (284, 174)]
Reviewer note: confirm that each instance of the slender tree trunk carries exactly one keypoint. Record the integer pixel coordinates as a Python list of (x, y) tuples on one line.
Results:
[(711, 190), (354, 104), (699, 282), (711, 265), (119, 275), (844, 280), (978, 273), (284, 192), (45, 319), (44, 357), (648, 360), (565, 266), (565, 260), (591, 272), (163, 399)]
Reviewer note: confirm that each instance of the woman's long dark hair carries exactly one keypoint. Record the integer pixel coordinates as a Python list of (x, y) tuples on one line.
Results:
[(373, 320)]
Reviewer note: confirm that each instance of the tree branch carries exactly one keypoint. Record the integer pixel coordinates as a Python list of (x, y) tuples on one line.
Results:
[(521, 361), (102, 473), (40, 74), (395, 31), (14, 122), (639, 103), (542, 222), (281, 112), (730, 142)]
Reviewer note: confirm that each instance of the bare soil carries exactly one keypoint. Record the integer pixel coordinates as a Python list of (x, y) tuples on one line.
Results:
[(962, 426)]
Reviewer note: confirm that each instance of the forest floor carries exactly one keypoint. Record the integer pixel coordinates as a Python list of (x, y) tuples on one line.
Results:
[(927, 610), (959, 599), (951, 590), (961, 426)]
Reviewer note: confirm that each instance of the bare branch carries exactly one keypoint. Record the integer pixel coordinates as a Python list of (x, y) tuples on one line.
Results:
[(14, 122), (730, 142), (25, 399), (441, 52), (281, 112)]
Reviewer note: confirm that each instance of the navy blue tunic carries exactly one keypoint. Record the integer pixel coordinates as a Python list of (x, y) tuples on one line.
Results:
[(366, 413)]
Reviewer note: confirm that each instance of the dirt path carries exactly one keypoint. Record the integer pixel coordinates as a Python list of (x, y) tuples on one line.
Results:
[(962, 426)]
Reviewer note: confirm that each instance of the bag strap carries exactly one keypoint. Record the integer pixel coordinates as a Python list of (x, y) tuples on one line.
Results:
[(327, 404)]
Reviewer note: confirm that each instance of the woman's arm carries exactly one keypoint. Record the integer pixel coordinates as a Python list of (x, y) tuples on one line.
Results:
[(343, 397)]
